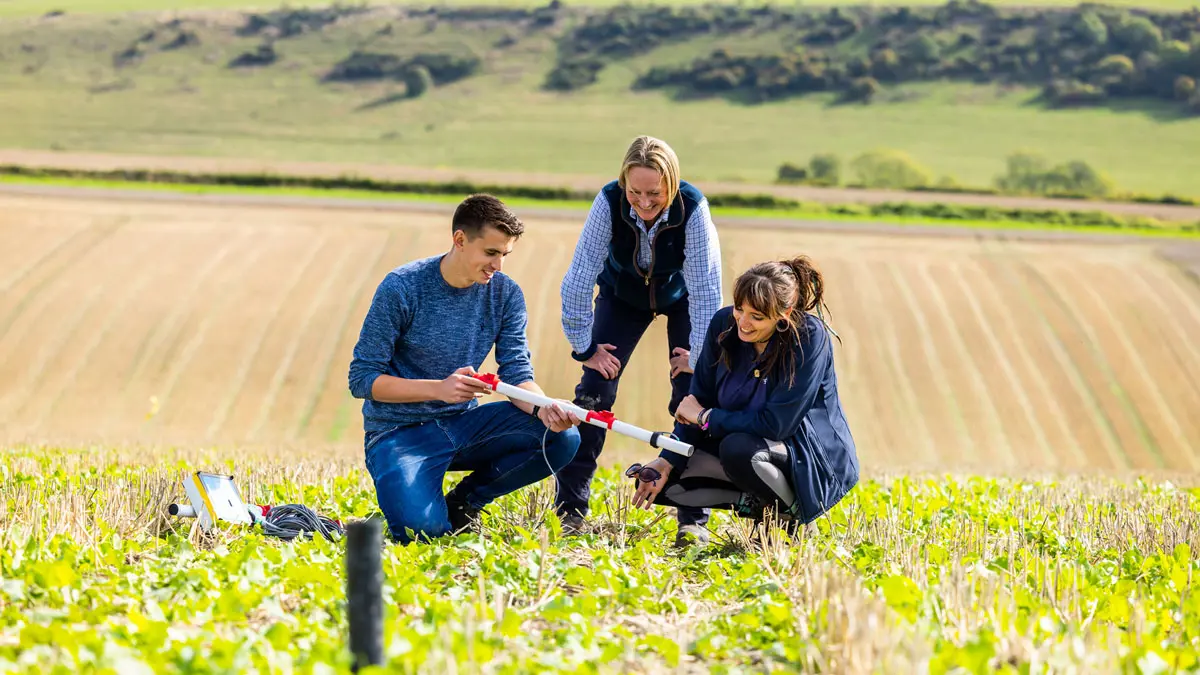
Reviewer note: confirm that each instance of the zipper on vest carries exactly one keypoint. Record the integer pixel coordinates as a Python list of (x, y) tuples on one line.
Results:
[(638, 234), (653, 253)]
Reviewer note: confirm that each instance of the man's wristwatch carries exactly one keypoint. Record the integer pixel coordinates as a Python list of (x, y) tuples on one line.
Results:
[(536, 410)]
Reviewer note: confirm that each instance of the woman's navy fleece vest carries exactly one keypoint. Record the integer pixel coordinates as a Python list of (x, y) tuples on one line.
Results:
[(663, 283)]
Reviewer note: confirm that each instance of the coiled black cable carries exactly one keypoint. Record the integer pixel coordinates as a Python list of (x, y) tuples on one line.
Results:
[(291, 520)]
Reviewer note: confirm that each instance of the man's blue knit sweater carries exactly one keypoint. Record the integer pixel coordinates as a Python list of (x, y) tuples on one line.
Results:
[(421, 327)]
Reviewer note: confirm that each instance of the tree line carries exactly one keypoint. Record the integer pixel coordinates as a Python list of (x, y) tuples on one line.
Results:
[(1026, 173), (1077, 56)]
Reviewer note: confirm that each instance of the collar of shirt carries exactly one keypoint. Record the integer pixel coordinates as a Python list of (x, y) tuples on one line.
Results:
[(662, 217)]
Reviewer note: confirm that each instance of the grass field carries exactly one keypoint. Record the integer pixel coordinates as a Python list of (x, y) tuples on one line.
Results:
[(928, 573), (171, 323), (62, 92)]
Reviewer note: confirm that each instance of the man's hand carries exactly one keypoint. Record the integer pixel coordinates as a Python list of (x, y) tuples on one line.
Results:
[(557, 419), (648, 492), (460, 386), (689, 410), (679, 361), (604, 363)]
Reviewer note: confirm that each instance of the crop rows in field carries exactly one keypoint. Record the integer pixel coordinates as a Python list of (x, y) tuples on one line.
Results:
[(178, 323)]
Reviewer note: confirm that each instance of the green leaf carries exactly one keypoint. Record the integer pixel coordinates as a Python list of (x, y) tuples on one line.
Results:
[(901, 594), (668, 649)]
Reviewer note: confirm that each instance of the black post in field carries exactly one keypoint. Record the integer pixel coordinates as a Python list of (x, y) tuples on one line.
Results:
[(364, 592)]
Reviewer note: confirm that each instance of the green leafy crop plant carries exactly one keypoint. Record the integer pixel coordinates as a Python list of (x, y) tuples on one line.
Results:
[(912, 573)]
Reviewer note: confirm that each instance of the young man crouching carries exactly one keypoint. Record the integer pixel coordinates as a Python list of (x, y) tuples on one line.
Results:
[(431, 323)]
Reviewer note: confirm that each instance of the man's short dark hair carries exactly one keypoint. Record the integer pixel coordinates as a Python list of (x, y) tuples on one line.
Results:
[(479, 210)]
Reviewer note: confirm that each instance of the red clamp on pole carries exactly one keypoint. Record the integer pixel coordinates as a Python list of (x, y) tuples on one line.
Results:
[(603, 415), (490, 379)]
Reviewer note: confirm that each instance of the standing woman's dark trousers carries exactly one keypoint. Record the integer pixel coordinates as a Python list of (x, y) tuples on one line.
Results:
[(621, 325)]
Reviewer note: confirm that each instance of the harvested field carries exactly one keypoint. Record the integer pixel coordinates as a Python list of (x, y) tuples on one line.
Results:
[(154, 322)]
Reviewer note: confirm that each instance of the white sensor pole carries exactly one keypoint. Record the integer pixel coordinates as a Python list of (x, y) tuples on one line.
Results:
[(604, 419)]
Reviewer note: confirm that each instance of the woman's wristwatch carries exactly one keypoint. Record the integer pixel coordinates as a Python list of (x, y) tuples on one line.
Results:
[(702, 418)]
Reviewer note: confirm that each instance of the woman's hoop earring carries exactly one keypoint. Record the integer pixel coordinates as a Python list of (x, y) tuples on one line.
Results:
[(781, 325)]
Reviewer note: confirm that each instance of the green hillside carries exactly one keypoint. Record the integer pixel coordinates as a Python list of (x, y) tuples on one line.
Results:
[(21, 8), (283, 86)]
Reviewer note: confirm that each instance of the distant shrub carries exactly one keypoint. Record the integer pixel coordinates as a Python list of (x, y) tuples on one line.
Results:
[(263, 55), (1029, 173), (285, 23), (1137, 34), (572, 74), (1174, 52), (949, 184), (1114, 70), (131, 55), (889, 169), (790, 173), (1078, 178), (1185, 87), (1072, 93), (862, 89), (1090, 29), (360, 65), (547, 15), (417, 81), (184, 38), (365, 66), (446, 68), (921, 48), (885, 65), (825, 168)]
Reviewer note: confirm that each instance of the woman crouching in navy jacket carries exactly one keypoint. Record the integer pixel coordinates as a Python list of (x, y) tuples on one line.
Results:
[(763, 411)]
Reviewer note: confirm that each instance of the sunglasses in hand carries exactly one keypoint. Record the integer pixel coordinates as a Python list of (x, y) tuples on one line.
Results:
[(647, 474)]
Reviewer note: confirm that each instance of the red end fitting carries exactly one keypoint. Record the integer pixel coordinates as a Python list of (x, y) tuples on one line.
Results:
[(603, 415), (490, 379)]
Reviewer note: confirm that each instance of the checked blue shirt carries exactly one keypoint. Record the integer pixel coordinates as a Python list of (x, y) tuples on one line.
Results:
[(701, 272)]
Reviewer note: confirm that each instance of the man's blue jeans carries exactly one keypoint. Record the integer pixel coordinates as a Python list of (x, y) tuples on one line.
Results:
[(497, 442)]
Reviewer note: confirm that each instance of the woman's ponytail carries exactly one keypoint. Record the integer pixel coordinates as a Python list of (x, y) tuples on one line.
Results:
[(810, 294), (810, 285)]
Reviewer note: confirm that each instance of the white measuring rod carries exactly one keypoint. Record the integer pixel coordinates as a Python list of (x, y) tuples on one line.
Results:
[(606, 419)]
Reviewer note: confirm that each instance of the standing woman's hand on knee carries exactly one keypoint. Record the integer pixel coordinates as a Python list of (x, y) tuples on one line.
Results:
[(647, 491), (679, 361), (603, 362)]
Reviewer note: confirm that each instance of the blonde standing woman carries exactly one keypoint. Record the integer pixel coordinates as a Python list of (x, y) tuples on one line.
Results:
[(650, 245)]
